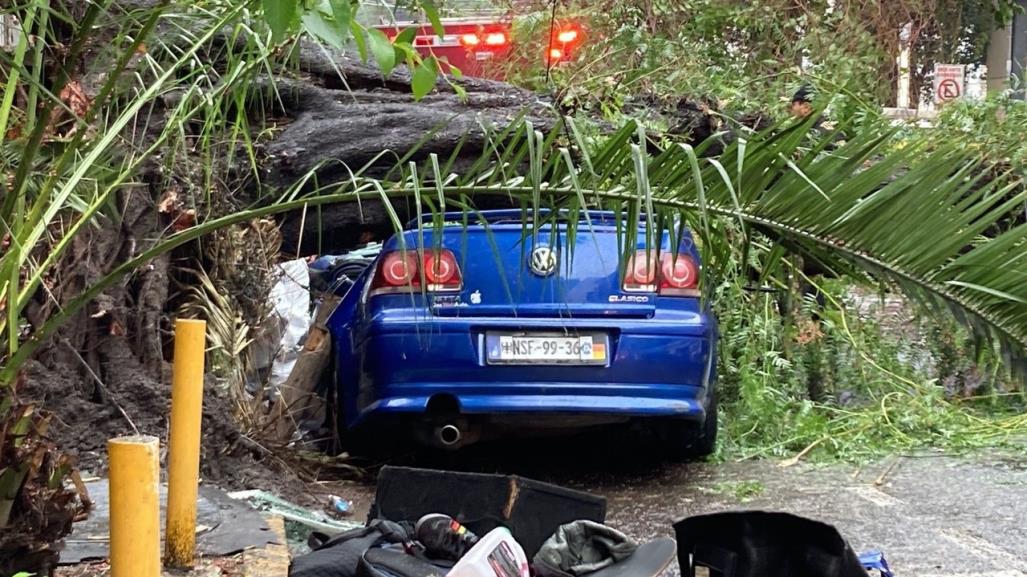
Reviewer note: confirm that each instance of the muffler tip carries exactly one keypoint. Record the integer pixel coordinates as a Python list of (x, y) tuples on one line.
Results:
[(448, 435)]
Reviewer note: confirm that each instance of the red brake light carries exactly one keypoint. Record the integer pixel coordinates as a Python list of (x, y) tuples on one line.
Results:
[(673, 275), (567, 36), (640, 275), (495, 39), (400, 272), (679, 275), (400, 268), (470, 40), (441, 270)]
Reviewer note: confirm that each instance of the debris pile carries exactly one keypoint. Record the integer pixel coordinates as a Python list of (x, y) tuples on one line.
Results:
[(428, 522)]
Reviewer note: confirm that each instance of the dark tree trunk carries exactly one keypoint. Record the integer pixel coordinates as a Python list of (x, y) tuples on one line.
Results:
[(106, 372), (337, 124)]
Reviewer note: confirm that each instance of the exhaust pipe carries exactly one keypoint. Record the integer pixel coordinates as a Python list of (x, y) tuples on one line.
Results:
[(448, 436)]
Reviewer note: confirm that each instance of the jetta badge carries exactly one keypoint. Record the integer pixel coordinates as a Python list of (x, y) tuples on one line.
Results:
[(542, 261)]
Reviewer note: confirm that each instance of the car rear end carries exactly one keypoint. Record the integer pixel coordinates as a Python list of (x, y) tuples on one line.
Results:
[(501, 324), (484, 46)]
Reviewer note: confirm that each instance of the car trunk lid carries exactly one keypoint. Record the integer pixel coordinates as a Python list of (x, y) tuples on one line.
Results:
[(535, 270)]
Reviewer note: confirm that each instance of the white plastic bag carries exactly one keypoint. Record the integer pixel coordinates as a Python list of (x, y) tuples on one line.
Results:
[(290, 299)]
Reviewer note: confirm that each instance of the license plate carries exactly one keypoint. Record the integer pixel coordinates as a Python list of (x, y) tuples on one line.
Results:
[(530, 349)]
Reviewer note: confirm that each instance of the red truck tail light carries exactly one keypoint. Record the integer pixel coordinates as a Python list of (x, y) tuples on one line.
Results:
[(496, 39), (563, 43), (671, 275), (567, 36), (400, 272), (492, 40)]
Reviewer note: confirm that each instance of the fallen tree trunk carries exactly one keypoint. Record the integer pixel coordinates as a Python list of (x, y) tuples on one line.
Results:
[(342, 116)]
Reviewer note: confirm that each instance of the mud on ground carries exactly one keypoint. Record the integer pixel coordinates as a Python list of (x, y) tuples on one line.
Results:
[(87, 415)]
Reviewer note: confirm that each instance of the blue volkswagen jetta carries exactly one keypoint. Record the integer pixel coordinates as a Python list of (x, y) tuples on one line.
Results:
[(500, 323)]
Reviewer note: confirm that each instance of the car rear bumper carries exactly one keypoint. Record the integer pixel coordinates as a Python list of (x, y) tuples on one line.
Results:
[(652, 371), (679, 401)]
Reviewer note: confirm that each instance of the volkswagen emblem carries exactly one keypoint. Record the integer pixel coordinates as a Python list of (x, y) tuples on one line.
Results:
[(542, 261)]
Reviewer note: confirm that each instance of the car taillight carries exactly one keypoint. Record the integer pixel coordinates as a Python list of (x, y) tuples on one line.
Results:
[(470, 40), (495, 39), (673, 275), (567, 36), (441, 270), (563, 42), (640, 275), (679, 275), (400, 271)]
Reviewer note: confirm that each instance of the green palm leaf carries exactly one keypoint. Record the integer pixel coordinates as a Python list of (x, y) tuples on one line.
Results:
[(910, 212), (904, 212)]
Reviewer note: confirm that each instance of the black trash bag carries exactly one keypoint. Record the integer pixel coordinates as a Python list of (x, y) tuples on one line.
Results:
[(395, 561), (757, 543), (340, 555), (582, 547)]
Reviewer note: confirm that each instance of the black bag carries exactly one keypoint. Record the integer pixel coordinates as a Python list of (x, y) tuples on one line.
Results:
[(395, 561), (340, 555), (760, 544)]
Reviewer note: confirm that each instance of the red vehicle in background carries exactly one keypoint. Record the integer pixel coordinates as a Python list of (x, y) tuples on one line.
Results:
[(481, 46)]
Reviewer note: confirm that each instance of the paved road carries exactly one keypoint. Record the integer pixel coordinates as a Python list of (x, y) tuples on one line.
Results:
[(932, 515)]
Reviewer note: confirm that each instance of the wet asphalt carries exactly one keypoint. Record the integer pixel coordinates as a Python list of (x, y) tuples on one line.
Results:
[(932, 515)]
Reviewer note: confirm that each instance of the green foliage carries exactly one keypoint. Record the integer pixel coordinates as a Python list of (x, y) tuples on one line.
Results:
[(281, 17), (383, 51), (424, 78), (335, 23), (895, 380), (993, 128), (67, 165), (752, 55)]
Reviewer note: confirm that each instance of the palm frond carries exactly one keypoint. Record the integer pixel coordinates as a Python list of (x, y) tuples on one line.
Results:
[(909, 212)]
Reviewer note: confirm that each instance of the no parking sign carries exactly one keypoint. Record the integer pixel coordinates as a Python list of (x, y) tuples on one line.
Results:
[(948, 82)]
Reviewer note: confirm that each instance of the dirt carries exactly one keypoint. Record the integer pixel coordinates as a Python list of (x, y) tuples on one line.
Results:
[(106, 371), (136, 401), (217, 567)]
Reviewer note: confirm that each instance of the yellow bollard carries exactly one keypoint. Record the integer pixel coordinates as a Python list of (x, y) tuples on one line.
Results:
[(134, 506), (184, 443)]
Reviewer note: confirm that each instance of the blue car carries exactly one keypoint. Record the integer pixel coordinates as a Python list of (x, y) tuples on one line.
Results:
[(503, 323)]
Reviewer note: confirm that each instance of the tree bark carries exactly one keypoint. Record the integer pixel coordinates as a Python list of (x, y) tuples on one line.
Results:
[(345, 114)]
